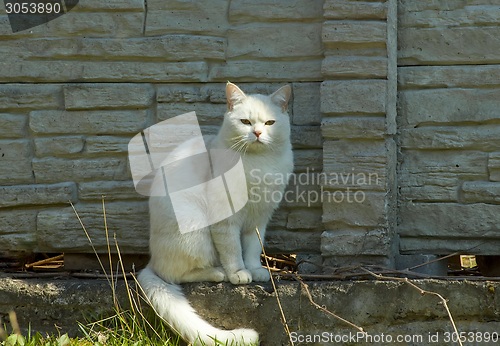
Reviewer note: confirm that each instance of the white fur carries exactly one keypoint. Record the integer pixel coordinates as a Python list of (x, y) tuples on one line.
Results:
[(228, 250)]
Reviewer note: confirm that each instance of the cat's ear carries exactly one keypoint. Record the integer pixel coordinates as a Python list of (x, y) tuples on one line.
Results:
[(281, 97), (234, 95)]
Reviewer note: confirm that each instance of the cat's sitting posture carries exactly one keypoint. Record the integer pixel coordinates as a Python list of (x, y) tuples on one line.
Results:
[(257, 127)]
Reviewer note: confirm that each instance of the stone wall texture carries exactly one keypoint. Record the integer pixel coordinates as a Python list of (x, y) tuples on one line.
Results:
[(395, 119)]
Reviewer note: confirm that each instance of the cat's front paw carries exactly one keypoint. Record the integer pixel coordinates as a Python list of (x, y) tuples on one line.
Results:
[(260, 274), (240, 277)]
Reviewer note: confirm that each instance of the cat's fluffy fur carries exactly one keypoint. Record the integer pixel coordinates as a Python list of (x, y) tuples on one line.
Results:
[(257, 127)]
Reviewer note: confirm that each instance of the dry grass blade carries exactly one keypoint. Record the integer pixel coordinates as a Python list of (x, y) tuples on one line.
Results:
[(44, 261), (422, 292), (319, 307), (283, 317)]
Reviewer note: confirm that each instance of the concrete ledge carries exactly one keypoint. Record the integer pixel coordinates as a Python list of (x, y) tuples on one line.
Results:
[(392, 308)]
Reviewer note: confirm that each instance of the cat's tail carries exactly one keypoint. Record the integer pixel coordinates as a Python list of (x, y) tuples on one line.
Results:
[(171, 304)]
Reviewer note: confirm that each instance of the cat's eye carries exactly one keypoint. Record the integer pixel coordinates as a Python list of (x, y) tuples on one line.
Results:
[(270, 122), (246, 121)]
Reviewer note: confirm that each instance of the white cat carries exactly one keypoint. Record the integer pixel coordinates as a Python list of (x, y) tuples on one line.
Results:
[(258, 128)]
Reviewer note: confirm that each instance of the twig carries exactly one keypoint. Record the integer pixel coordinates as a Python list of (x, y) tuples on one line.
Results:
[(44, 261), (319, 307), (283, 318), (422, 292)]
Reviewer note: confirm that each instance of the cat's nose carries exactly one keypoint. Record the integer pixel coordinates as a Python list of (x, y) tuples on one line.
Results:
[(257, 133)]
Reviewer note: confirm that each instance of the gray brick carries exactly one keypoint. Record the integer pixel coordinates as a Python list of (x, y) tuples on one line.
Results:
[(111, 190), (481, 192), (49, 170), (274, 40), (346, 209), (306, 104), (106, 144), (21, 195), (88, 122), (12, 125), (292, 242), (60, 230), (436, 106), (18, 231), (354, 32), (102, 71), (241, 11), (337, 97), (25, 96), (106, 96), (15, 162), (305, 219), (353, 127), (354, 67), (494, 166), (58, 146), (273, 71), (355, 243), (349, 9), (306, 137)]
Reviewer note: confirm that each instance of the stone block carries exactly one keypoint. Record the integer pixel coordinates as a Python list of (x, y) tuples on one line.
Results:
[(481, 192), (60, 230), (272, 71), (26, 96), (24, 195), (113, 6), (110, 190), (436, 106), (206, 113), (354, 32), (308, 160), (15, 162), (306, 137), (306, 104), (164, 48), (445, 45), (305, 219), (12, 125), (106, 144), (274, 40), (354, 165), (292, 242), (353, 127), (107, 96), (355, 243), (88, 122), (477, 137), (241, 11), (182, 17), (354, 67), (102, 71), (348, 9), (449, 221), (425, 264), (18, 231), (494, 166), (337, 97), (217, 91), (58, 146), (444, 245), (466, 76), (92, 24), (454, 14), (185, 93), (437, 175), (52, 170), (349, 208)]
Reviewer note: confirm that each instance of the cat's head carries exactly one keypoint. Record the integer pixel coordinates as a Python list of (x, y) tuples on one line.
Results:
[(256, 123)]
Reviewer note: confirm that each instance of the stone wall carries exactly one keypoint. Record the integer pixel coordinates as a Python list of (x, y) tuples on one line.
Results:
[(394, 119), (449, 129), (74, 91)]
